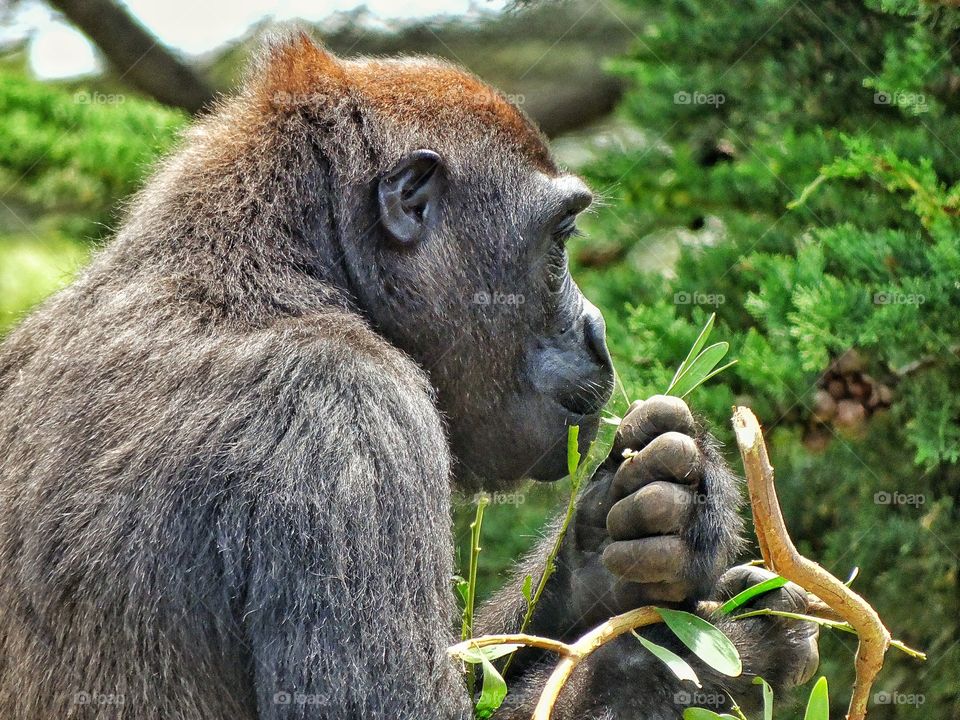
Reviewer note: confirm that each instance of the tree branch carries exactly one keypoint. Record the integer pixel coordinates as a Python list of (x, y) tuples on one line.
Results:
[(780, 556), (138, 57)]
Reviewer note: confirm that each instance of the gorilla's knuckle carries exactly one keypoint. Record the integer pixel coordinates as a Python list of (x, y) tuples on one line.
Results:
[(650, 418), (657, 508), (673, 454), (659, 559)]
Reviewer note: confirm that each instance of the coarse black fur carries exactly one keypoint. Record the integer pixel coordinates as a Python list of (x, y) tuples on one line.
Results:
[(228, 447)]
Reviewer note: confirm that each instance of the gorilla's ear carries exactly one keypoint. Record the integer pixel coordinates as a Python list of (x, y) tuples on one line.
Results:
[(410, 196)]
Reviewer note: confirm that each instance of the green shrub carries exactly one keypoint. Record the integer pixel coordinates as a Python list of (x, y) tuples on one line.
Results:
[(855, 103), (72, 155)]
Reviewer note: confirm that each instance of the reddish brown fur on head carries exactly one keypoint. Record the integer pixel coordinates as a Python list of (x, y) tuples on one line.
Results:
[(420, 93)]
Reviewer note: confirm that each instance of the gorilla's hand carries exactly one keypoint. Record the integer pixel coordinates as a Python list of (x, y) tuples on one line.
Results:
[(656, 526), (783, 652)]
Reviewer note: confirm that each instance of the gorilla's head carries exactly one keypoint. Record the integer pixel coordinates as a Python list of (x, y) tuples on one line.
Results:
[(452, 221), (515, 350)]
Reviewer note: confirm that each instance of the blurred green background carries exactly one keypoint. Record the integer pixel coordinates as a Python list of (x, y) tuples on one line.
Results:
[(792, 167)]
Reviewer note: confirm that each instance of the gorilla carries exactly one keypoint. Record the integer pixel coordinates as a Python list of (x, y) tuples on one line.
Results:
[(229, 447)]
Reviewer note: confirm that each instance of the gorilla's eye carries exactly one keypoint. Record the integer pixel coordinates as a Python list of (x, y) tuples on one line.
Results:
[(566, 228), (556, 264)]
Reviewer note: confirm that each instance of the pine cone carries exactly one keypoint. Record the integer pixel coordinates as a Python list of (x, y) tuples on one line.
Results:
[(846, 397)]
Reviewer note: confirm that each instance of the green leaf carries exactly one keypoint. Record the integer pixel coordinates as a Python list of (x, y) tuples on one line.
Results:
[(767, 697), (822, 622), (742, 598), (818, 706), (463, 587), (704, 640), (694, 351), (573, 449), (710, 375), (832, 624), (527, 587), (699, 370), (704, 714), (493, 692), (678, 666), (490, 653), (853, 576)]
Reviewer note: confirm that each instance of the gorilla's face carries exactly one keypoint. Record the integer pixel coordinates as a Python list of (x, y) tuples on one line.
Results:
[(566, 376), (480, 294)]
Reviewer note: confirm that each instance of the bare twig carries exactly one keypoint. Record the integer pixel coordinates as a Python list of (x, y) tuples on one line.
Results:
[(780, 555), (582, 648)]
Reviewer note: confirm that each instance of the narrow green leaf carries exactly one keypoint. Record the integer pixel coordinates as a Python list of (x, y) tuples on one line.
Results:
[(573, 449), (853, 576), (527, 587), (694, 350), (767, 697), (678, 666), (492, 693), (710, 375), (742, 598), (818, 706), (822, 622), (463, 588), (476, 654), (832, 624), (699, 369), (704, 640), (704, 714)]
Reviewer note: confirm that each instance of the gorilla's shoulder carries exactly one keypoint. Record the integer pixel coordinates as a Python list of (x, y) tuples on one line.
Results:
[(333, 391), (338, 352)]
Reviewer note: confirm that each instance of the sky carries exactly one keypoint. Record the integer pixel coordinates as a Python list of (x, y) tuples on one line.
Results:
[(57, 50)]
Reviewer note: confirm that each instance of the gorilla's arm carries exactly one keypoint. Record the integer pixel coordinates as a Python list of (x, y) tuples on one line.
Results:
[(345, 558)]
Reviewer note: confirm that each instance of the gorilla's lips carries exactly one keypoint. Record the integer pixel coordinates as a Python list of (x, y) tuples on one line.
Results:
[(589, 398)]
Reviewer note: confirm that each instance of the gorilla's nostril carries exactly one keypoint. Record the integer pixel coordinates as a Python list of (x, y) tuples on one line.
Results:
[(594, 334)]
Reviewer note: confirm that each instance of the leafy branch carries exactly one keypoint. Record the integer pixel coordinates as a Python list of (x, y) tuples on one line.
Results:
[(700, 364), (781, 556), (550, 564)]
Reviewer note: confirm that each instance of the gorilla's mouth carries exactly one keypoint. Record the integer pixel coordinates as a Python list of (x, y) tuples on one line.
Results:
[(586, 400)]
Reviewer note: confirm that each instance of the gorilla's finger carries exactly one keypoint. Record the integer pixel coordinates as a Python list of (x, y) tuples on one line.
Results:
[(789, 598), (811, 659), (660, 508), (666, 592), (650, 418), (660, 559), (739, 578), (671, 456)]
